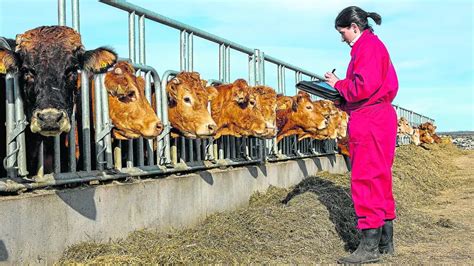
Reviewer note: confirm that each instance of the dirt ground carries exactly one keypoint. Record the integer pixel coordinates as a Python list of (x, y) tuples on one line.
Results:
[(313, 222), (452, 241)]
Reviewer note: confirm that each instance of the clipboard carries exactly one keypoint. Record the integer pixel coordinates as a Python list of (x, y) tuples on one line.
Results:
[(320, 89)]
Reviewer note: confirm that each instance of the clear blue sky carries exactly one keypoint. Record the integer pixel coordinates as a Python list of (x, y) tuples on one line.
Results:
[(430, 42)]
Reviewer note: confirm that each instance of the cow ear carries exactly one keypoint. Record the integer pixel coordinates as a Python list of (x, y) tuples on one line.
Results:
[(98, 60), (172, 90), (9, 62), (211, 93)]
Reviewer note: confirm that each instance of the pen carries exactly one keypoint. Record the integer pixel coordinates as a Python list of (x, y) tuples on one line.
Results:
[(333, 70)]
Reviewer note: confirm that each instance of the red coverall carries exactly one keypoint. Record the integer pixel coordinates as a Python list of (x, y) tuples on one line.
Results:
[(369, 88)]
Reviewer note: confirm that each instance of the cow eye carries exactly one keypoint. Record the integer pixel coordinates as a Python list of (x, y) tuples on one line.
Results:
[(187, 99), (252, 102), (309, 107)]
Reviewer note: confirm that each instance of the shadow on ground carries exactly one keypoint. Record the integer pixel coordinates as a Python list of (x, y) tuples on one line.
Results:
[(337, 201)]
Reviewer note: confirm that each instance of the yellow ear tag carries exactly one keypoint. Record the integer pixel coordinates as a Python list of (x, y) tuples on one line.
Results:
[(283, 106), (3, 70), (103, 65)]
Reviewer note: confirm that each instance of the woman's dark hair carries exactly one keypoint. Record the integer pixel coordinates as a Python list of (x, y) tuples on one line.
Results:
[(354, 14)]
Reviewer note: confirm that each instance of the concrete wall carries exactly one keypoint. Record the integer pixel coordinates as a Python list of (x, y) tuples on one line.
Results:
[(38, 226)]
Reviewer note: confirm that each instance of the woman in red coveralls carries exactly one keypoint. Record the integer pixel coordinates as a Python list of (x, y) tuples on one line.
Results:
[(369, 89)]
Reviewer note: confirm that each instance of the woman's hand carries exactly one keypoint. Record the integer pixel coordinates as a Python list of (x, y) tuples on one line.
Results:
[(331, 79)]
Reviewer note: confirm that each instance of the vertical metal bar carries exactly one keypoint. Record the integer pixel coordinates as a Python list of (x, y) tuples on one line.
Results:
[(190, 52), (232, 147), (182, 50), (75, 15), (283, 68), (183, 148), (258, 78), (227, 63), (262, 68), (227, 147), (10, 125), (72, 143), (141, 39), (40, 169), (252, 70), (57, 154), (149, 142), (85, 116), (61, 12), (98, 125), (20, 118), (131, 52), (221, 63), (131, 36), (166, 124), (198, 149), (141, 60), (278, 78), (106, 121)]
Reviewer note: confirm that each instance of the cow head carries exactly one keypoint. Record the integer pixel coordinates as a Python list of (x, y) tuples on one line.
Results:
[(305, 115), (188, 97), (429, 127), (415, 138), (131, 113), (267, 103), (404, 127), (237, 110), (47, 60)]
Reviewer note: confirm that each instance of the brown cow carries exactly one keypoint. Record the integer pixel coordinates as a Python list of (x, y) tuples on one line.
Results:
[(427, 133), (129, 110), (188, 98), (237, 112), (404, 127), (267, 103), (296, 115)]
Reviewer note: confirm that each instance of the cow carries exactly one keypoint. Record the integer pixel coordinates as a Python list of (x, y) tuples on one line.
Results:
[(404, 127), (47, 60), (427, 133), (415, 137), (267, 103), (296, 115), (237, 112), (131, 114), (188, 97)]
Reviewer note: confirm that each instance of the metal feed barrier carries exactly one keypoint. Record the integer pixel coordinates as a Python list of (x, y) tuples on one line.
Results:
[(130, 158)]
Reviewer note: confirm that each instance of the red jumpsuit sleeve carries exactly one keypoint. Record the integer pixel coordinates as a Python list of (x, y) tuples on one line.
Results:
[(366, 76)]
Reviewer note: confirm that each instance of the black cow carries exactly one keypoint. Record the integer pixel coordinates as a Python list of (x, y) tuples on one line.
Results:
[(47, 59)]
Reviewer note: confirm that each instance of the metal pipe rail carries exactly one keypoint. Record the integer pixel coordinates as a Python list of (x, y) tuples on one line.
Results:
[(139, 11)]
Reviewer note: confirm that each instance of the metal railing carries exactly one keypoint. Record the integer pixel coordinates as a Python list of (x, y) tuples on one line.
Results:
[(102, 160)]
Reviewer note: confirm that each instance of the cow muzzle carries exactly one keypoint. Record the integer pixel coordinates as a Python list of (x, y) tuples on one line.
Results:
[(50, 122), (206, 130), (271, 130)]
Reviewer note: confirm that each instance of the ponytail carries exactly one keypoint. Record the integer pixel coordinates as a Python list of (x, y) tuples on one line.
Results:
[(356, 15), (375, 17)]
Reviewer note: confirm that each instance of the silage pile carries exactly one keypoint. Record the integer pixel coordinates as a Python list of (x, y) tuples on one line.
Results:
[(310, 223)]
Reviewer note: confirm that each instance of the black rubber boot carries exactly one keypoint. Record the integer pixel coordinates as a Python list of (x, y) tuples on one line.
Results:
[(386, 240), (368, 249)]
